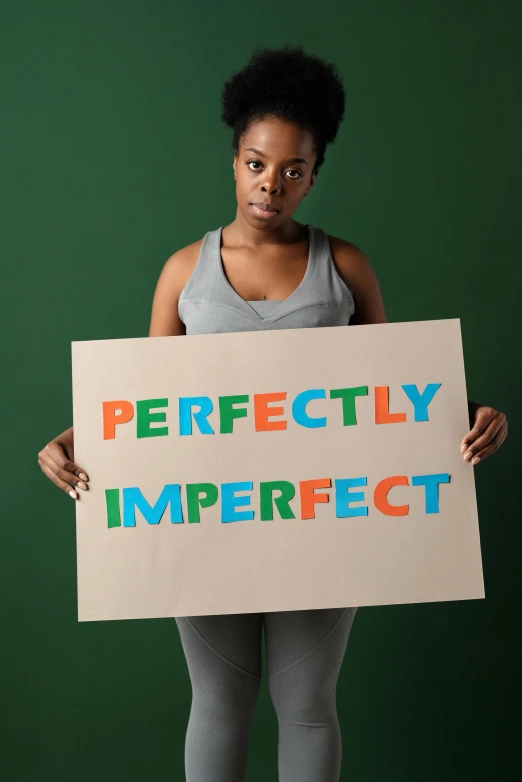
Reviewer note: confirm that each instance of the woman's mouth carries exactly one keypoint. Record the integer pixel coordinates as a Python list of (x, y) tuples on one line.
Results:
[(264, 210)]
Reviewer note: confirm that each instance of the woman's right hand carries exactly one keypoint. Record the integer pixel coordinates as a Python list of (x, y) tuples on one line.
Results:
[(56, 460)]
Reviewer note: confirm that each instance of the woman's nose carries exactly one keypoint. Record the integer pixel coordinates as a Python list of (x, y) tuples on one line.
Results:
[(272, 183), (271, 187)]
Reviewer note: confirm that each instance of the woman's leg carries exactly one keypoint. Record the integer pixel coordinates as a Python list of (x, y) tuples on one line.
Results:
[(224, 660), (305, 650)]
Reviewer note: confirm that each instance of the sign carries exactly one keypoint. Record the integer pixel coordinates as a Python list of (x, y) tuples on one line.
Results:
[(274, 471)]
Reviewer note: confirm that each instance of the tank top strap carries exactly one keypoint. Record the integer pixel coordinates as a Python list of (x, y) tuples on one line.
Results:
[(325, 279), (205, 279), (321, 262), (318, 256)]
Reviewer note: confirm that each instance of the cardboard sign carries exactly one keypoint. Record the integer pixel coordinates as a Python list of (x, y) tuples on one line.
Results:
[(274, 471)]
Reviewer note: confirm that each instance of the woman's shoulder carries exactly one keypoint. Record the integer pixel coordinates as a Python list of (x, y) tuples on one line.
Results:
[(186, 256), (356, 270), (176, 272), (342, 247), (348, 258), (179, 266)]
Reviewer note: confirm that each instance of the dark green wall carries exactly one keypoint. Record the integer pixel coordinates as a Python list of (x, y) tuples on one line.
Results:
[(113, 157)]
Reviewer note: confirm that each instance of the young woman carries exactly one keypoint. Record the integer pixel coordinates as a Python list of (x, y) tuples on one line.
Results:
[(265, 270)]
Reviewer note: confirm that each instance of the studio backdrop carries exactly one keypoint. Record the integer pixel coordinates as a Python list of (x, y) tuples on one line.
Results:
[(113, 158)]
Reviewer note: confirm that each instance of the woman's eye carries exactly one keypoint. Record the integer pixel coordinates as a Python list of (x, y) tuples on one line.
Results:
[(258, 163)]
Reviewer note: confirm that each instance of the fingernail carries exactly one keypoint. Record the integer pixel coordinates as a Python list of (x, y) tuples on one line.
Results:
[(475, 460), (73, 494), (81, 485), (83, 476), (462, 448), (467, 455)]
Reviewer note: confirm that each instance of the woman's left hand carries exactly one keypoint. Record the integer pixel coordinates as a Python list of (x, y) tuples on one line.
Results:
[(489, 431)]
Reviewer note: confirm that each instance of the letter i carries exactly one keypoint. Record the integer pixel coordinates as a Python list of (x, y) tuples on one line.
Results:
[(112, 502)]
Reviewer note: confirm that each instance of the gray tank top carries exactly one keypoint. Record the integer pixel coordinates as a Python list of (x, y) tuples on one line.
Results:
[(208, 304)]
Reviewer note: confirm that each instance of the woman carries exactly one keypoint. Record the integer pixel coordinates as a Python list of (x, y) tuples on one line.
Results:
[(263, 271)]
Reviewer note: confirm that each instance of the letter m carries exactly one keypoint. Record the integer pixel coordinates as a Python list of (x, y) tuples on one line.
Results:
[(133, 498)]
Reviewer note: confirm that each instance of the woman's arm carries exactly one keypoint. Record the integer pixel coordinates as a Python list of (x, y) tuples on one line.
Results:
[(165, 320), (356, 271)]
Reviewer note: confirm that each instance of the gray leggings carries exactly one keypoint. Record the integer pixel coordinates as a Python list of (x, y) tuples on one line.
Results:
[(304, 652)]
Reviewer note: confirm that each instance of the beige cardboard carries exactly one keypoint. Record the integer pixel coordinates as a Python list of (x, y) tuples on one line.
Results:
[(212, 567)]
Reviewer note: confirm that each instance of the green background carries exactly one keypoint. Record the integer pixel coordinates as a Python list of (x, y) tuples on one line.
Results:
[(113, 157)]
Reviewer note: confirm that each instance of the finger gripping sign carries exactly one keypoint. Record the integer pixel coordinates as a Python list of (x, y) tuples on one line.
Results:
[(274, 471)]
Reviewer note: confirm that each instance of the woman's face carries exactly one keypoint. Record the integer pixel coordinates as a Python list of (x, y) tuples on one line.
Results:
[(274, 166)]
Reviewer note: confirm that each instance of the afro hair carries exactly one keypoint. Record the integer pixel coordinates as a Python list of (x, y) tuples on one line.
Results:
[(291, 85)]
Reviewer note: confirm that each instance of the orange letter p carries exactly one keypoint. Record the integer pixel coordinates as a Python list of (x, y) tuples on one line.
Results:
[(110, 419)]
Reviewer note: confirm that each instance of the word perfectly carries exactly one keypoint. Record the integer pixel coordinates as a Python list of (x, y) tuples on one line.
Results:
[(199, 409)]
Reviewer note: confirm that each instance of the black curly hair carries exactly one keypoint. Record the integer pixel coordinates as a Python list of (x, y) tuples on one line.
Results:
[(291, 85)]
